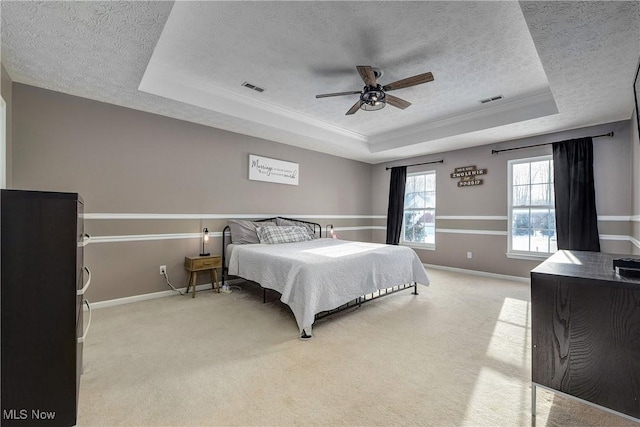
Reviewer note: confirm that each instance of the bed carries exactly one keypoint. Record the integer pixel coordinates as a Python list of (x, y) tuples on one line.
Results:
[(316, 276)]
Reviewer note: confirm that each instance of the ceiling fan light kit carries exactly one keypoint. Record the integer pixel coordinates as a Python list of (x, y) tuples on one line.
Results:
[(373, 96)]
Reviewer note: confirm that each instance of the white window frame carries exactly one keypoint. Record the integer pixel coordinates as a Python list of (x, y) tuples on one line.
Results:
[(417, 245), (517, 254)]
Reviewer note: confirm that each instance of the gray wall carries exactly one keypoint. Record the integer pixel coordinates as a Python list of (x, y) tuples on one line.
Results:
[(179, 177), (6, 86), (612, 170), (124, 161)]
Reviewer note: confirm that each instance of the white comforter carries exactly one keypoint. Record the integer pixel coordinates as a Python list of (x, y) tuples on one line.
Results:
[(323, 274)]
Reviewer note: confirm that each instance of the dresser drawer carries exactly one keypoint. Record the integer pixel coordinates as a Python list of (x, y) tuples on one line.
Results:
[(202, 263)]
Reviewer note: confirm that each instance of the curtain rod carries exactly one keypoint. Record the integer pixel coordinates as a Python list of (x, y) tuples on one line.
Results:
[(546, 143), (418, 164)]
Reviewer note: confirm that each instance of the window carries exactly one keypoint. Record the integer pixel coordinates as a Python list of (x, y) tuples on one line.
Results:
[(532, 219), (419, 222)]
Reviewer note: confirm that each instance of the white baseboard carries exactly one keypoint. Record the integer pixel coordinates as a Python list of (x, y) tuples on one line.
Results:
[(479, 273), (154, 295), (205, 286)]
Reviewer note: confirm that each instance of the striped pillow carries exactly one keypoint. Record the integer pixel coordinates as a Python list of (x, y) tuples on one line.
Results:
[(286, 234)]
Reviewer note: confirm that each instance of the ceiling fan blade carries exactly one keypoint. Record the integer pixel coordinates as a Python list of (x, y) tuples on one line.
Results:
[(355, 108), (397, 102), (367, 74), (326, 95), (409, 81)]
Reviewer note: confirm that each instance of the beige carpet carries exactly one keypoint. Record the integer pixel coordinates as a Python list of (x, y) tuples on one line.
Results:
[(458, 354)]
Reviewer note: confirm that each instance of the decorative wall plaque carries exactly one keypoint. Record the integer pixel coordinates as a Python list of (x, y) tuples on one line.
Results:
[(468, 175), (272, 170)]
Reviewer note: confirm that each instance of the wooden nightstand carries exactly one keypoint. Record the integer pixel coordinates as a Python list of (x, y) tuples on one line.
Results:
[(193, 264)]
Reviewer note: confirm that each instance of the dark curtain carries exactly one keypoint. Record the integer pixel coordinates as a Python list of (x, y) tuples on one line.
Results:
[(395, 210), (575, 197)]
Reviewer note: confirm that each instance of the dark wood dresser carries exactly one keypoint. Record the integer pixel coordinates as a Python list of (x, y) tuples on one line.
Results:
[(43, 284), (586, 331)]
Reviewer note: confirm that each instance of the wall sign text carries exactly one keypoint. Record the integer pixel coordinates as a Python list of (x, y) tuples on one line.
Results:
[(468, 175), (272, 170)]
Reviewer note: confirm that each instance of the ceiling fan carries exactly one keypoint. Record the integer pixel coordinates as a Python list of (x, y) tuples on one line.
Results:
[(373, 96)]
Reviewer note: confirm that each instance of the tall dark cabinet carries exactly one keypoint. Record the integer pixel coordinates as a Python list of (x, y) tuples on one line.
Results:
[(42, 295)]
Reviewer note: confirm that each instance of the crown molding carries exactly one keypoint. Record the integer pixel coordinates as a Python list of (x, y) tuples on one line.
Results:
[(163, 80), (505, 112)]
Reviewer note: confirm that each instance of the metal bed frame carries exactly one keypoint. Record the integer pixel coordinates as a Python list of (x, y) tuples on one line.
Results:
[(225, 270), (351, 304)]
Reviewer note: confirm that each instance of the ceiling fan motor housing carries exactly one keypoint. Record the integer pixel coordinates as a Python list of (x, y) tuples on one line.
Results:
[(372, 98)]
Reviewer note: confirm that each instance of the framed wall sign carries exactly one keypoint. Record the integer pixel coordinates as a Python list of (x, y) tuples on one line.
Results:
[(272, 170)]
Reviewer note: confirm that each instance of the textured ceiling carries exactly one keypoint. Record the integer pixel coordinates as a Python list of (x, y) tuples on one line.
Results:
[(559, 65)]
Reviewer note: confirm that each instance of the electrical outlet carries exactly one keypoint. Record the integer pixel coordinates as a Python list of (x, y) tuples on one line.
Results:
[(469, 254), (163, 270)]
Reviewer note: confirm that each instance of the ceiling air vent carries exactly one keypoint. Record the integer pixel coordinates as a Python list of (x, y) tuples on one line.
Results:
[(252, 86), (493, 98)]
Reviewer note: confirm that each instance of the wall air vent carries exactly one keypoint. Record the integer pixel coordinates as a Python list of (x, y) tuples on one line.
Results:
[(252, 86), (493, 98)]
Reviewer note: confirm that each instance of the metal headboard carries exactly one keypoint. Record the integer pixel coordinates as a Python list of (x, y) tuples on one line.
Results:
[(317, 229)]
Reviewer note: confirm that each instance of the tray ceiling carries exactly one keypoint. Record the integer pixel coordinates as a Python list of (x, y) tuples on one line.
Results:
[(558, 66)]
